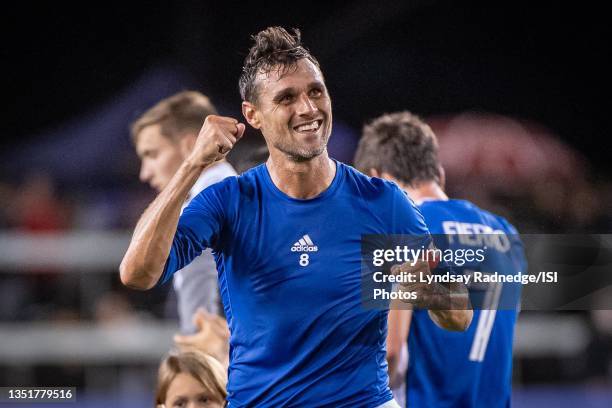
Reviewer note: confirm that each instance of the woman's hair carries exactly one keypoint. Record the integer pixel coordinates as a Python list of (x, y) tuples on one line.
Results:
[(204, 368)]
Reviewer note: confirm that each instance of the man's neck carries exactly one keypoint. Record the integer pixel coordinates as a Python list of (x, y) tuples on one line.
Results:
[(429, 190), (301, 180)]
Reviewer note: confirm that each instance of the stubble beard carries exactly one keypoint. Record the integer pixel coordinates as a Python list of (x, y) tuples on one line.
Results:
[(297, 154)]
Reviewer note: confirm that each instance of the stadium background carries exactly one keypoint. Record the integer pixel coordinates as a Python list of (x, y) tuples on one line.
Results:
[(516, 93)]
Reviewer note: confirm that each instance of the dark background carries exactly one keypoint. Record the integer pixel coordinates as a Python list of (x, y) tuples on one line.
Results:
[(545, 62)]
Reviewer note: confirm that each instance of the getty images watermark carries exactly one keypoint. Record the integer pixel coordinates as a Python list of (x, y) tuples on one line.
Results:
[(499, 271)]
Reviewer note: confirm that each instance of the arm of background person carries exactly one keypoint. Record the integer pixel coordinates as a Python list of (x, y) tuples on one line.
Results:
[(397, 336), (448, 305), (459, 316), (196, 287)]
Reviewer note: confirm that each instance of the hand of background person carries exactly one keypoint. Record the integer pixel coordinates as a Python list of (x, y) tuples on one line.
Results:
[(212, 336), (433, 296), (427, 295)]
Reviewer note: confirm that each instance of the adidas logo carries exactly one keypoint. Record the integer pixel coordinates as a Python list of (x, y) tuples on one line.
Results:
[(305, 244)]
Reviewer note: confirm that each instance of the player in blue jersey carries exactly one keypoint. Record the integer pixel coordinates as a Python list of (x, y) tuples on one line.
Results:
[(286, 236), (446, 369)]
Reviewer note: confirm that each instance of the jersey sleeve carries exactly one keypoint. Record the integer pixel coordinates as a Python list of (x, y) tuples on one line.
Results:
[(199, 227), (408, 221), (407, 218)]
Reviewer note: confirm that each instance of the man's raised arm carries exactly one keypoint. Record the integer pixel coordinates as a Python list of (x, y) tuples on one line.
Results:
[(145, 258)]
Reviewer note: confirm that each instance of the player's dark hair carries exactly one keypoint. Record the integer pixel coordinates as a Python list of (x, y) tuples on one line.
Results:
[(402, 145), (274, 49)]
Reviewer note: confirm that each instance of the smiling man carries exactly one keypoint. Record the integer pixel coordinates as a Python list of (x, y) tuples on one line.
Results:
[(287, 240)]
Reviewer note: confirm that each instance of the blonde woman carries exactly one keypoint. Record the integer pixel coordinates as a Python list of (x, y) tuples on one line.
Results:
[(191, 379)]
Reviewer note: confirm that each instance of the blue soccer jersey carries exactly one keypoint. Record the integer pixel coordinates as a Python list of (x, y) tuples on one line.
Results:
[(473, 368), (290, 279)]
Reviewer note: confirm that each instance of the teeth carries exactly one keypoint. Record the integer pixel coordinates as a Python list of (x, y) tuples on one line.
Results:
[(308, 127)]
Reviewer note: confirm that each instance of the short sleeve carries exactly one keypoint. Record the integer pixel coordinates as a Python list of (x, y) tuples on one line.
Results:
[(407, 218), (198, 228), (409, 228)]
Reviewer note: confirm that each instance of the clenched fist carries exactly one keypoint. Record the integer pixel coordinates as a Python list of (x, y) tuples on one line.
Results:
[(217, 137)]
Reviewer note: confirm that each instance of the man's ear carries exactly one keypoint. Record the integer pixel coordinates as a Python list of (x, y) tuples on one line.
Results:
[(250, 113), (442, 176), (387, 176)]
